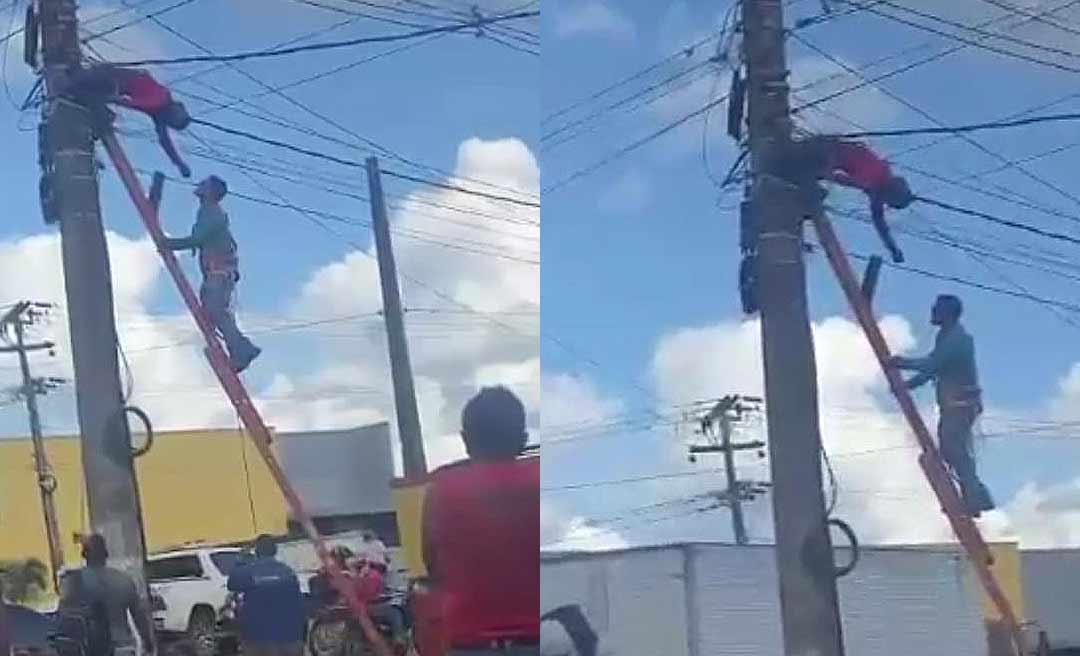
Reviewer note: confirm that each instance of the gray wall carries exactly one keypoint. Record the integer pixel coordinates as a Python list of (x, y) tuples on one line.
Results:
[(1052, 593), (721, 600), (346, 472)]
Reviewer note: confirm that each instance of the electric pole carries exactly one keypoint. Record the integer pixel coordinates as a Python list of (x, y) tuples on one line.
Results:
[(16, 319), (809, 605), (70, 198), (408, 417), (726, 413)]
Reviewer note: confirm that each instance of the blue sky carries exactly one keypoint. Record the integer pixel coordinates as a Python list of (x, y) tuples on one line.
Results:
[(643, 252), (457, 103)]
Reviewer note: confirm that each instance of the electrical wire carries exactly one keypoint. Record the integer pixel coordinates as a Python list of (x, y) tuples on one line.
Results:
[(387, 38), (916, 64), (355, 164), (940, 125), (975, 43), (959, 129), (1008, 223), (685, 52)]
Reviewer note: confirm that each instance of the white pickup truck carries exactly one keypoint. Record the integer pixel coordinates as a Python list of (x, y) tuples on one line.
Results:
[(191, 589)]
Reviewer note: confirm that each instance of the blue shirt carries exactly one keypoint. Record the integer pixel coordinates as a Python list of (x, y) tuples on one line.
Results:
[(951, 365), (273, 609)]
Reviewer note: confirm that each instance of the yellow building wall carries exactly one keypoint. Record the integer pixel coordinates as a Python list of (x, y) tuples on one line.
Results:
[(1007, 570), (208, 486)]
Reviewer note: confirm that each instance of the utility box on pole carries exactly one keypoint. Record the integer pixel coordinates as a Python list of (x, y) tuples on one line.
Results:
[(71, 172), (804, 557)]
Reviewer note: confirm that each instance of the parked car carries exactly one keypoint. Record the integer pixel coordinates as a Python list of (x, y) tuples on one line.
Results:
[(191, 590)]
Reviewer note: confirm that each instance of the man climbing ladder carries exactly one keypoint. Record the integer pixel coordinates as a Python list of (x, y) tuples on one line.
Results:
[(220, 268), (951, 365)]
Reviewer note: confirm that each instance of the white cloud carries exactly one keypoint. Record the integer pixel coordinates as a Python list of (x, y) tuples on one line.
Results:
[(559, 532), (453, 350), (574, 401), (630, 192), (592, 17)]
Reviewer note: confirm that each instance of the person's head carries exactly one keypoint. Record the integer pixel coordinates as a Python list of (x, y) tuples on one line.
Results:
[(493, 425), (946, 311), (265, 547), (897, 194), (176, 116), (211, 190), (94, 550)]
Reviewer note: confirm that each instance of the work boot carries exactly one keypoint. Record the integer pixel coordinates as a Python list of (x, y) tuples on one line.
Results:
[(977, 500), (240, 364)]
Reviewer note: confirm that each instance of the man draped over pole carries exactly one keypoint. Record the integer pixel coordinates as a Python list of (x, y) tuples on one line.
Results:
[(136, 89), (220, 268), (857, 166), (952, 367)]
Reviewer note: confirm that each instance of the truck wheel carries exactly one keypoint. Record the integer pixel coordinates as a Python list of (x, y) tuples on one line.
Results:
[(202, 631)]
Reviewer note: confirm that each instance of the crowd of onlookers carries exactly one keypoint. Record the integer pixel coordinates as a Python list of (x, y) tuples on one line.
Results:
[(481, 549)]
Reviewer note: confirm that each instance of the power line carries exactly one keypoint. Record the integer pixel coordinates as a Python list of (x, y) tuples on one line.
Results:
[(916, 64), (355, 164), (971, 283), (131, 23), (685, 52), (974, 43), (619, 103), (625, 150), (958, 129), (387, 38), (1016, 225), (977, 30), (459, 189), (925, 114)]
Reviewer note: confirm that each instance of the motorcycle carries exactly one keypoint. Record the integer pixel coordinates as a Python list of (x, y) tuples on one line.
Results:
[(335, 631)]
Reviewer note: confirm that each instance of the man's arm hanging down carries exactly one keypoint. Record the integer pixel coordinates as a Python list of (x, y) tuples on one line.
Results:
[(165, 139)]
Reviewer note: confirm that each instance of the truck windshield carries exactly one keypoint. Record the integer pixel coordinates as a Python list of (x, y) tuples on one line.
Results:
[(225, 560)]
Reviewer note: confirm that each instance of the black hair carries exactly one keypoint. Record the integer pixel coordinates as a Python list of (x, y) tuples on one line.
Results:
[(951, 304), (220, 188), (493, 425), (94, 549), (897, 193), (265, 547)]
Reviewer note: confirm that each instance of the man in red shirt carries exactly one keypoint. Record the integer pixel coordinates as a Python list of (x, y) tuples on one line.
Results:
[(481, 534), (135, 89), (855, 165)]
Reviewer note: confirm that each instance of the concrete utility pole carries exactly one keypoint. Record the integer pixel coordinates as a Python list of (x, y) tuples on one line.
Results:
[(17, 319), (408, 417), (808, 598), (71, 174)]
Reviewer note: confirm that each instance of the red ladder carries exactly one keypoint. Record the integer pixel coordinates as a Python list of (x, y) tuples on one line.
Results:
[(930, 459), (237, 393)]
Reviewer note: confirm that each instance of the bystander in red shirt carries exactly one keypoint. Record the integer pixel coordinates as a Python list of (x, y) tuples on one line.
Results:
[(482, 545)]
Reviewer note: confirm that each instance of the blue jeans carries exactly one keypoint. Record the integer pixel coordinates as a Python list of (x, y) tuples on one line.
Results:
[(216, 297)]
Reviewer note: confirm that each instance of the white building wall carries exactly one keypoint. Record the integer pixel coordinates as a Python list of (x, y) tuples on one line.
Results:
[(896, 602)]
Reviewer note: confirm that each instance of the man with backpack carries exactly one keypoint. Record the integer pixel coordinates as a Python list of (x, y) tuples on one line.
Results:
[(95, 603)]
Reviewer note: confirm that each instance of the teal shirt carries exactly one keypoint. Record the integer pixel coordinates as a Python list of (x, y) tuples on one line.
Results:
[(211, 237), (951, 365)]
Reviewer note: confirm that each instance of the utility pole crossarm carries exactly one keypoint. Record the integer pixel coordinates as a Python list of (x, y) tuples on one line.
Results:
[(41, 346)]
